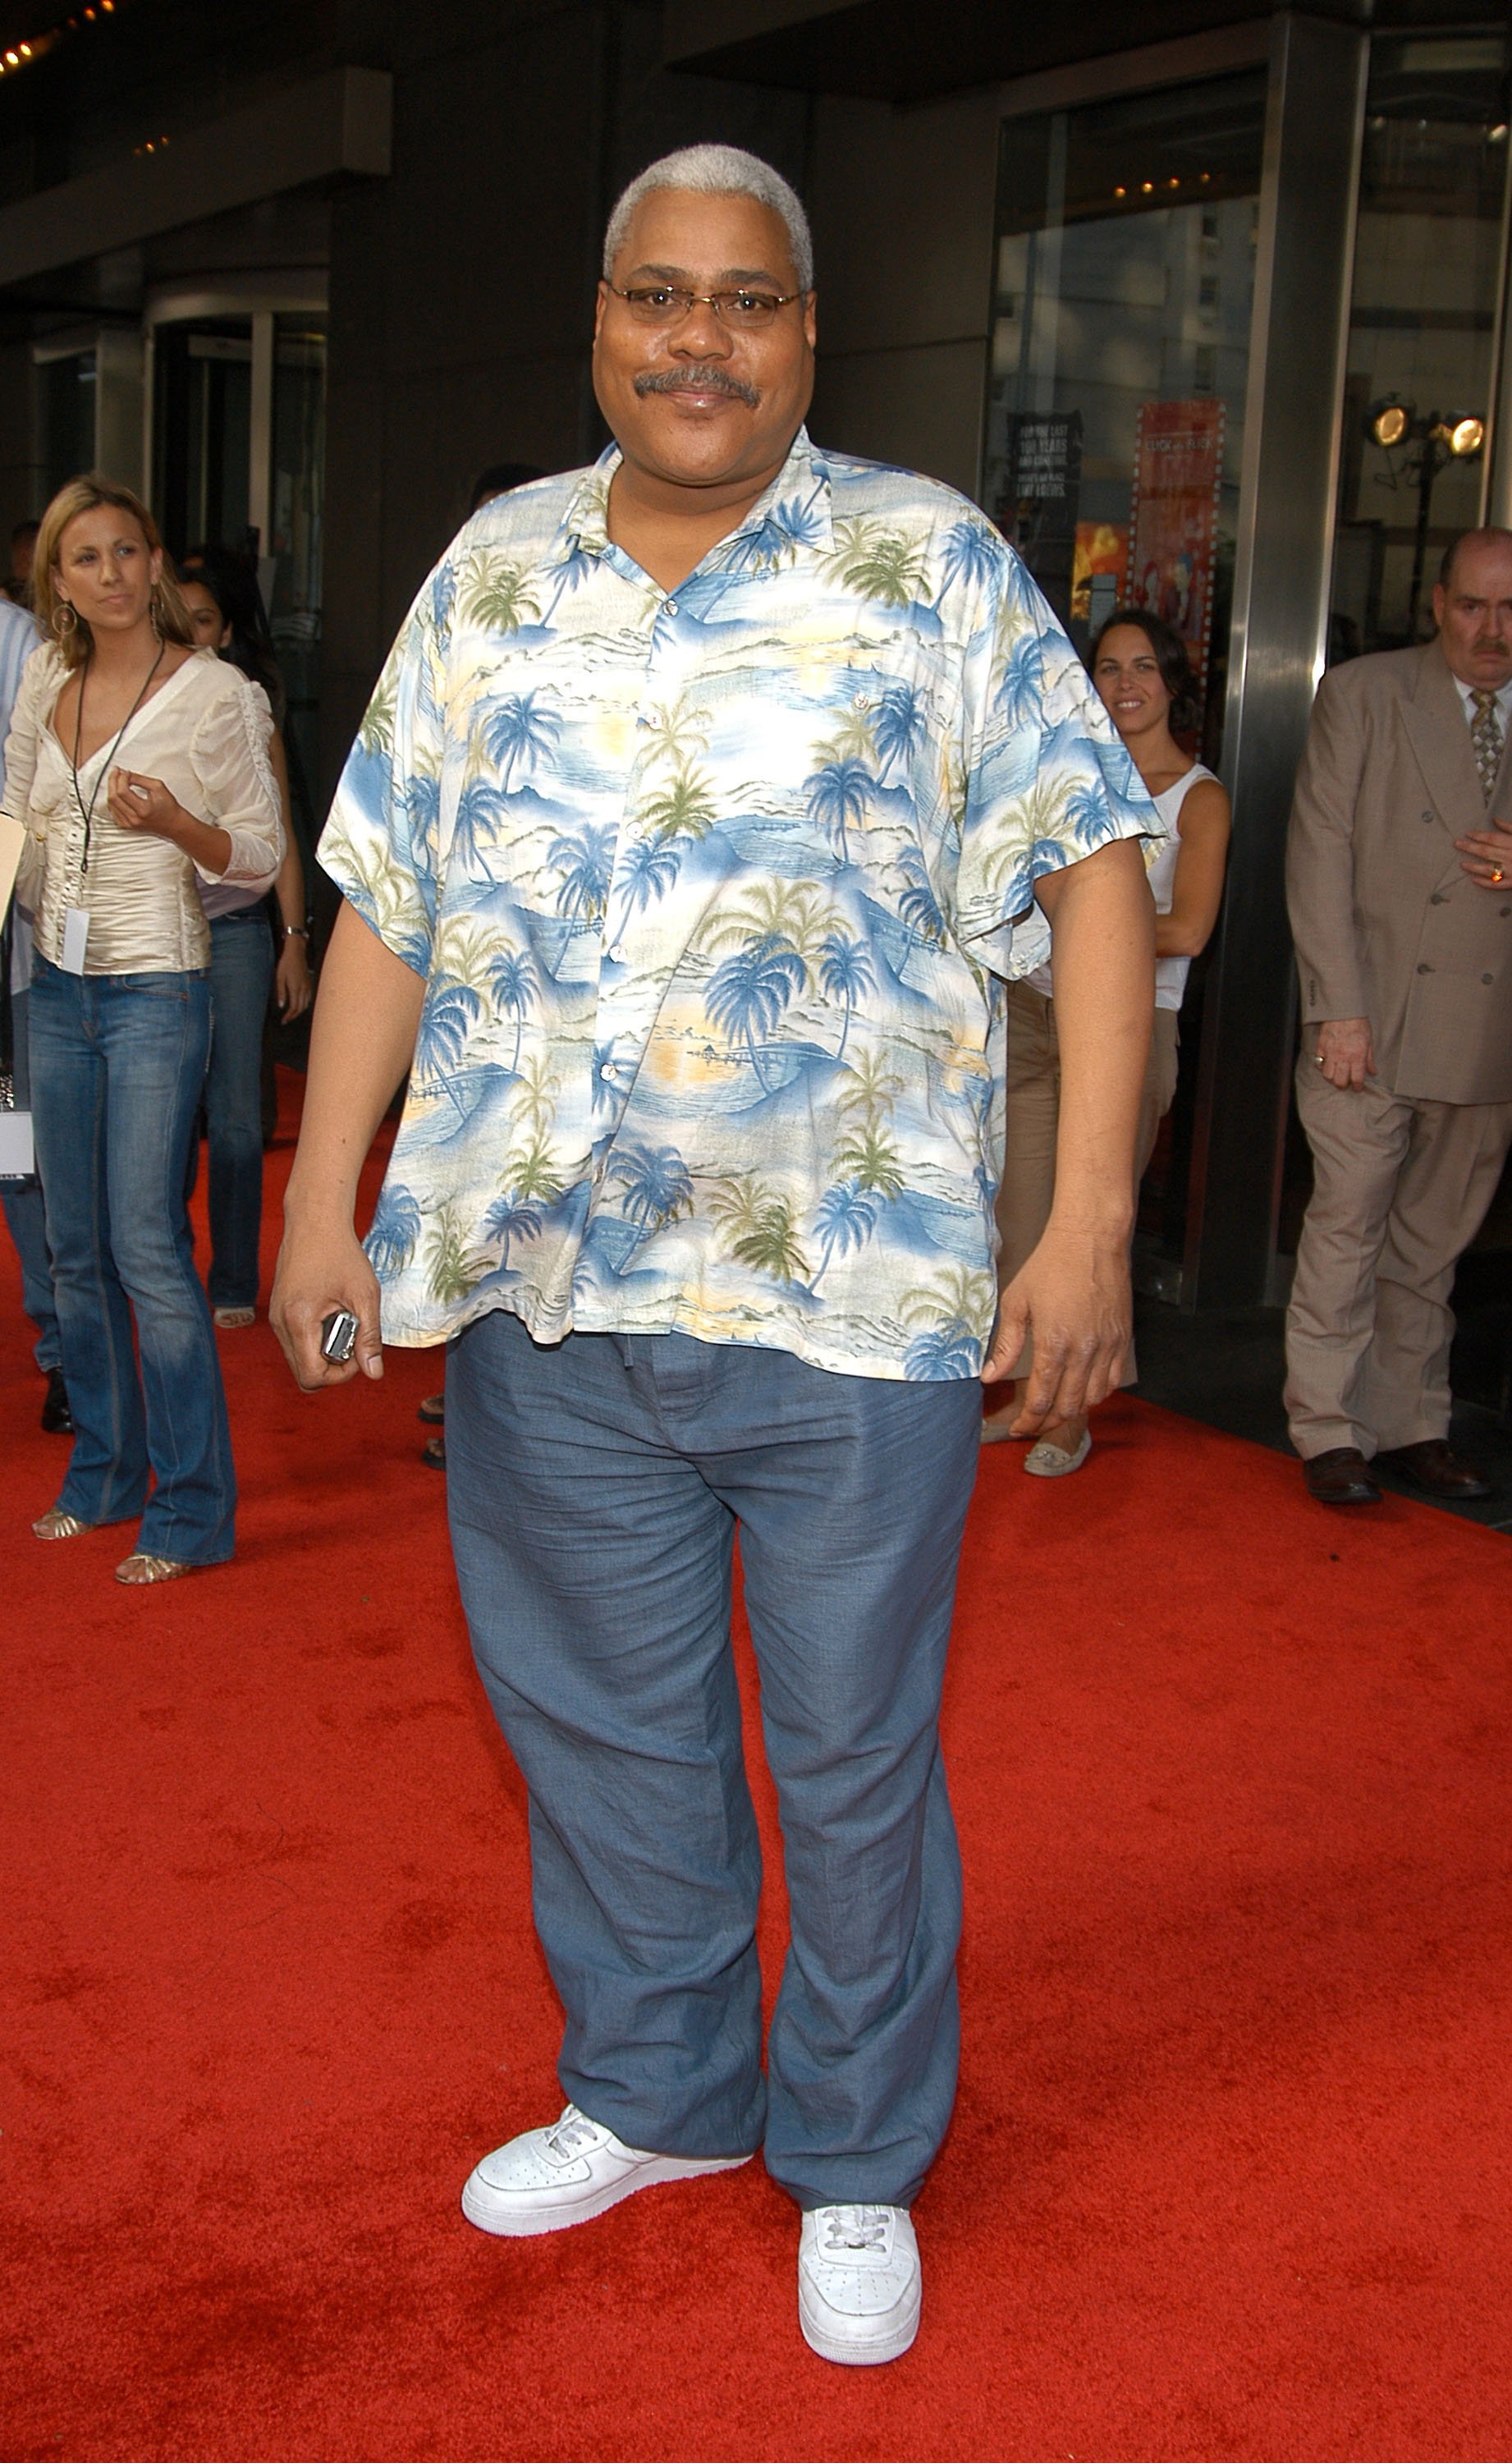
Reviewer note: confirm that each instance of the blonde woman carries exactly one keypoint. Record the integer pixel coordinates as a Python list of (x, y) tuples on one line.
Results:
[(138, 765)]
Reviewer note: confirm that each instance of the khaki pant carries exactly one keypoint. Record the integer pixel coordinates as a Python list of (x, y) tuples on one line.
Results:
[(1033, 1116), (1400, 1187)]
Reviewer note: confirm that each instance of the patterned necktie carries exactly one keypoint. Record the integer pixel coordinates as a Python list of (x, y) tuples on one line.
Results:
[(1485, 734)]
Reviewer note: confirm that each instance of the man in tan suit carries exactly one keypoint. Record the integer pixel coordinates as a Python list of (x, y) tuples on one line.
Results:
[(1400, 881)]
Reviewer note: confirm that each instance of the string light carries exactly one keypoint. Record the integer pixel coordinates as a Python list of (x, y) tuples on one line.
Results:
[(37, 46)]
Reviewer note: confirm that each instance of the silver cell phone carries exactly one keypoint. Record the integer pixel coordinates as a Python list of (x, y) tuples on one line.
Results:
[(339, 1334)]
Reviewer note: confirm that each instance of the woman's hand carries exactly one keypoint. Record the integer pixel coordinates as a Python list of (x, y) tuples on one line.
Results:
[(139, 803), (293, 980)]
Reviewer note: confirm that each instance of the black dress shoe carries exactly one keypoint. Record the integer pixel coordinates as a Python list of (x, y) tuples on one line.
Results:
[(1434, 1468), (1342, 1476), (56, 1417)]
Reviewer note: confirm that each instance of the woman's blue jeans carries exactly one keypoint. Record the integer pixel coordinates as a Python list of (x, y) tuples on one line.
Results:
[(240, 978), (117, 1063)]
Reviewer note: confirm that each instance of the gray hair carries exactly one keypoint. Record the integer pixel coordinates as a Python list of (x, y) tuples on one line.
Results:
[(718, 171)]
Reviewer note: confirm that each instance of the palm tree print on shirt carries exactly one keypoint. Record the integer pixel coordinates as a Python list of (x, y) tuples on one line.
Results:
[(950, 1315), (585, 859), (656, 1187), (837, 796), (759, 1226), (510, 1218), (512, 982), (518, 732), (845, 972), (846, 1219), (802, 824), (748, 993)]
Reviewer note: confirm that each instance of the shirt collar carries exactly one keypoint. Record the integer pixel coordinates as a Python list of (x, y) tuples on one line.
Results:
[(789, 521), (1503, 697)]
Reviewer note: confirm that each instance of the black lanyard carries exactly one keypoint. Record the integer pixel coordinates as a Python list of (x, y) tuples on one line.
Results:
[(88, 810)]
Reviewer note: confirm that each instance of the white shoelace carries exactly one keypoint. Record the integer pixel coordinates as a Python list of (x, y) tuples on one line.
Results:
[(574, 2132), (855, 2228)]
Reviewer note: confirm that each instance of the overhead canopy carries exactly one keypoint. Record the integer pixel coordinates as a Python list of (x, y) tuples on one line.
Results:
[(900, 51), (327, 125)]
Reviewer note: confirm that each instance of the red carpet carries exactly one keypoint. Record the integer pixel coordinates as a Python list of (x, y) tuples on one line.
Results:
[(1229, 2171)]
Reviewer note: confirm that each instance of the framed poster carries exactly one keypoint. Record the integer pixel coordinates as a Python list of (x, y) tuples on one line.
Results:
[(1173, 527), (1038, 509)]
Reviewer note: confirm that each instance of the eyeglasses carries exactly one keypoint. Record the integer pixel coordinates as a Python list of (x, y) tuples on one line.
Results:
[(663, 303)]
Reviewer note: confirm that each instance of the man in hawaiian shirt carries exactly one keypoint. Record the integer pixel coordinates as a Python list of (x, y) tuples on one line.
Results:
[(706, 800)]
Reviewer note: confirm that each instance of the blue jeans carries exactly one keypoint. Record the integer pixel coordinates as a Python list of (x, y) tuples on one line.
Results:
[(240, 978), (22, 1201), (118, 1063), (595, 1489)]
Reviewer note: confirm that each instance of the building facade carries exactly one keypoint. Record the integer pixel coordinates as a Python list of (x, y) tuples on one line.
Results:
[(1217, 322)]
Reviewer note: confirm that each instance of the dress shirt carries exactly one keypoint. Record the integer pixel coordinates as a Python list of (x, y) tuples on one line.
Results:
[(204, 734), (1504, 704), (712, 889)]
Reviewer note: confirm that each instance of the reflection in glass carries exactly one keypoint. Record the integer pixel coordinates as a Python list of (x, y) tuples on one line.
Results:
[(1120, 354), (292, 569), (68, 389), (1421, 322)]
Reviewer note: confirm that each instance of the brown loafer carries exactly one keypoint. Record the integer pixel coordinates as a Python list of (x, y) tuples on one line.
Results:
[(433, 1410), (1342, 1476), (1433, 1467)]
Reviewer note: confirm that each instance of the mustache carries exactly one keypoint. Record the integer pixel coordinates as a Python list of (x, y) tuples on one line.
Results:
[(710, 379)]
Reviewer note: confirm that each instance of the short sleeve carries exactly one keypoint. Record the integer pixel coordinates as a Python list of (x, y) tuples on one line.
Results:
[(1046, 780), (228, 755), (380, 846)]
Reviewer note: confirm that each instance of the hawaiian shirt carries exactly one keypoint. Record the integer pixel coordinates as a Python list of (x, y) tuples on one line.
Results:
[(713, 891)]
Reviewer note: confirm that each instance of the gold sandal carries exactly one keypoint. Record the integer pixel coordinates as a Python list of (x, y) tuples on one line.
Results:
[(139, 1569), (54, 1524)]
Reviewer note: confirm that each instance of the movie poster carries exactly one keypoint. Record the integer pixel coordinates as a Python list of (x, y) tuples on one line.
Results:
[(1099, 573), (1042, 491), (1178, 470)]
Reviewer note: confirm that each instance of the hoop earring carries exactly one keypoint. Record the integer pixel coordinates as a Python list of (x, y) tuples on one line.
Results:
[(65, 619)]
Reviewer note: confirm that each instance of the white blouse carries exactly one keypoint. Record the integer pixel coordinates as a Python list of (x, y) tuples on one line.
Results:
[(204, 734)]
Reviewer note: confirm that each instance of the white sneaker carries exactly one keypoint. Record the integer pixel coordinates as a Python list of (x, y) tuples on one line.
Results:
[(547, 2179), (859, 2285)]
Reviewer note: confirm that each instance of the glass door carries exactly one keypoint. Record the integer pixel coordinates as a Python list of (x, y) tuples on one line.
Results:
[(1119, 368), (1422, 325)]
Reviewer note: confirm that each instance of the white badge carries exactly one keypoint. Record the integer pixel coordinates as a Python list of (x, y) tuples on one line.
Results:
[(75, 933), (16, 1157)]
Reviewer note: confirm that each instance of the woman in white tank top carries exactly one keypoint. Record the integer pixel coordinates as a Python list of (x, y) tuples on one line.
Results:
[(1139, 666)]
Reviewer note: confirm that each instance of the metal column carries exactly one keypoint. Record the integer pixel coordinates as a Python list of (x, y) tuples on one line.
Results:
[(1289, 481)]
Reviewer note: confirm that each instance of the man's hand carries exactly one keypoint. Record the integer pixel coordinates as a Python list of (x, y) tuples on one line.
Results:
[(1343, 1050), (1074, 1296), (318, 1272), (1487, 855)]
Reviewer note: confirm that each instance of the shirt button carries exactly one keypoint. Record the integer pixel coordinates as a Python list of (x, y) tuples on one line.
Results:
[(1428, 816), (669, 607), (618, 954), (606, 1069), (1488, 979), (1424, 969), (1438, 899)]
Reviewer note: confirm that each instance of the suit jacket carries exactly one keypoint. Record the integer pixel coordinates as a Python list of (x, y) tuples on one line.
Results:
[(1387, 925)]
